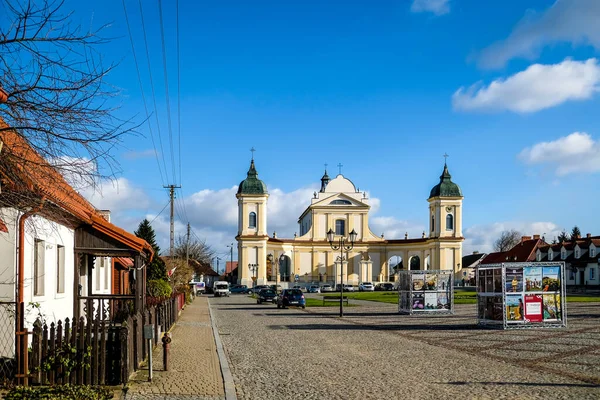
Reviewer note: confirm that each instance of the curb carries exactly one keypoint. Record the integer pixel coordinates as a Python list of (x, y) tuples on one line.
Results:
[(230, 393)]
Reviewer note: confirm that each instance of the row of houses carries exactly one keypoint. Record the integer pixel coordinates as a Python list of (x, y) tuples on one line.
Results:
[(580, 255)]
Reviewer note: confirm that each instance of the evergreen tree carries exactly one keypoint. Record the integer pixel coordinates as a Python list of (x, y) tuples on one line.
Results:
[(563, 237), (575, 233), (157, 268)]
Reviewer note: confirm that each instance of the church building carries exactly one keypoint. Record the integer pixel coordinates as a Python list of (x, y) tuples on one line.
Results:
[(339, 208)]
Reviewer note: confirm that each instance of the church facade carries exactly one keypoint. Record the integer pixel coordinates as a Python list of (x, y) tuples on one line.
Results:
[(341, 208)]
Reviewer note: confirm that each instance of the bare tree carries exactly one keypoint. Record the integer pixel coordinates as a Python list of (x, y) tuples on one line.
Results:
[(507, 240), (198, 250), (57, 97)]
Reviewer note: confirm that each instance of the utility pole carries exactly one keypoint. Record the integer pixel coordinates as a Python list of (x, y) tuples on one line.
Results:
[(172, 197), (187, 247)]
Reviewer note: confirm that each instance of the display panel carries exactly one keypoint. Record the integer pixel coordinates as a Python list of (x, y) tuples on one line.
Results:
[(426, 292), (521, 295)]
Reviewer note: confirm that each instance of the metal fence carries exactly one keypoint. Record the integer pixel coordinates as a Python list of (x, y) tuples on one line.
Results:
[(7, 342)]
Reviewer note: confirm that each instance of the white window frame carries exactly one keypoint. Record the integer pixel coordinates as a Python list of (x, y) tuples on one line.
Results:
[(252, 220), (60, 269), (592, 252), (450, 217), (39, 264)]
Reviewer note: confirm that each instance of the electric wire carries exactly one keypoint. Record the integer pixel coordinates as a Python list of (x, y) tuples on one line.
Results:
[(162, 151), (178, 86), (137, 67), (167, 97), (157, 215)]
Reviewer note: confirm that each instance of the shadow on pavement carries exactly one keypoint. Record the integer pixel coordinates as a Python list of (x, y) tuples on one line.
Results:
[(590, 385), (356, 327)]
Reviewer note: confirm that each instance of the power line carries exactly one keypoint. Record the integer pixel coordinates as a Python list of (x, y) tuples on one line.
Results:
[(178, 87), (153, 91), (169, 202), (164, 57), (137, 67)]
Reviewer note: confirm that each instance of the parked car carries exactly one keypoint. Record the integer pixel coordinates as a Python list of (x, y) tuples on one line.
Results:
[(366, 287), (267, 296), (381, 287), (326, 288), (276, 288), (240, 289), (221, 288), (347, 288), (313, 289), (291, 298), (258, 288), (299, 287)]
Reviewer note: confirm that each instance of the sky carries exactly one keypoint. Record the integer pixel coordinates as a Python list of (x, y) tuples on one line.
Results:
[(508, 89)]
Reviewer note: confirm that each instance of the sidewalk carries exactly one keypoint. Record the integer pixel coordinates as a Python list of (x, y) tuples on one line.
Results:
[(194, 367)]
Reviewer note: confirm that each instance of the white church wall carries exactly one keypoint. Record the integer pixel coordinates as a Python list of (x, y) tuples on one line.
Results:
[(358, 225), (305, 264), (322, 263)]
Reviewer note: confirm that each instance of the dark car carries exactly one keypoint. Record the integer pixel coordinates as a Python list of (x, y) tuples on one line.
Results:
[(266, 296), (384, 287), (291, 298), (240, 289)]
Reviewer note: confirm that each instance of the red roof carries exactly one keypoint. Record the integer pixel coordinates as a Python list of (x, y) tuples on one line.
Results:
[(522, 252), (31, 173)]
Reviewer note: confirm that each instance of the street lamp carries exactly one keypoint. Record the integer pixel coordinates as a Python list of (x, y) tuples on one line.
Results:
[(231, 259), (341, 246), (253, 269)]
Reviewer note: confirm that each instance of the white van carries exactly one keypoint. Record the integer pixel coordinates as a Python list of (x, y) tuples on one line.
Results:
[(221, 288)]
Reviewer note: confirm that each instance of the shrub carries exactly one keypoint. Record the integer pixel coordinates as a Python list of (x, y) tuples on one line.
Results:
[(159, 288), (62, 392)]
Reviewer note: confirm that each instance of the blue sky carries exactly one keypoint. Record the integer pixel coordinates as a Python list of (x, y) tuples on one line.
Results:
[(507, 89)]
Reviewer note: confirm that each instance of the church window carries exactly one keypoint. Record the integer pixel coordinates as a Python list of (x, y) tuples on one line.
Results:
[(432, 222), (449, 222), (252, 220), (341, 202), (340, 227)]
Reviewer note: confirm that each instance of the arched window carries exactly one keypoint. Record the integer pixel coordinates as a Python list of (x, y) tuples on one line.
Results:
[(341, 202), (449, 222), (340, 227), (252, 220)]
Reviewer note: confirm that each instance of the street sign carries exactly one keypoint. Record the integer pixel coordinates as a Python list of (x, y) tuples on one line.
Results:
[(148, 331), (296, 277)]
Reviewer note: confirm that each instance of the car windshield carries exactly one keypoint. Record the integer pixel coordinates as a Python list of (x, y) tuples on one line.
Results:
[(367, 283), (295, 292), (267, 292), (221, 286)]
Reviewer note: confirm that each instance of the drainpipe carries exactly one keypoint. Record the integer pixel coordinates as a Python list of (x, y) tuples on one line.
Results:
[(21, 253)]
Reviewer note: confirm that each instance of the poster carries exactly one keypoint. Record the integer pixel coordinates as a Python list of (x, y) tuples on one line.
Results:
[(442, 301), (443, 282), (533, 307), (533, 279), (551, 279), (431, 282), (514, 280), (418, 281), (514, 308), (431, 301), (552, 311), (497, 280), (418, 301)]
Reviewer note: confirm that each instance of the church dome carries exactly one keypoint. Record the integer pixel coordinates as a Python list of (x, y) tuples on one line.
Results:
[(446, 188), (340, 185), (252, 185)]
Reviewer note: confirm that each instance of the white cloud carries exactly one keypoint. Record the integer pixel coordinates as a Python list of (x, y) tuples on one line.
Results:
[(482, 237), (538, 87), (394, 228), (577, 152), (116, 195), (572, 21), (437, 7)]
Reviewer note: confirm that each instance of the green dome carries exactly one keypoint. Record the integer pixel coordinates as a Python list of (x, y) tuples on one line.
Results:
[(446, 188), (252, 185)]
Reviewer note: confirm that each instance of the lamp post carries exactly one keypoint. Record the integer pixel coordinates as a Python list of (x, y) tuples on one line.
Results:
[(341, 246), (231, 259), (275, 264), (253, 269)]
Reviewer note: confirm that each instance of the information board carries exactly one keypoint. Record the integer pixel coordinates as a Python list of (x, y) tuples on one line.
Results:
[(427, 292)]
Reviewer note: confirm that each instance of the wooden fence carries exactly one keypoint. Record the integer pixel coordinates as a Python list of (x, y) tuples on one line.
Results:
[(97, 351)]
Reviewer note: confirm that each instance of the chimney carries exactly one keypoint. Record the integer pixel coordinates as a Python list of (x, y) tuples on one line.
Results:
[(588, 235), (578, 237), (476, 252), (525, 238), (536, 237)]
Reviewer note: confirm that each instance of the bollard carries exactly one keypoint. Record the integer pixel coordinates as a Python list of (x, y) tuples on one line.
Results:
[(166, 340)]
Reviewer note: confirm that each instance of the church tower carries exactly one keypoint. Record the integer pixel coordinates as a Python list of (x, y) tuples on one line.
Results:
[(445, 221), (252, 235)]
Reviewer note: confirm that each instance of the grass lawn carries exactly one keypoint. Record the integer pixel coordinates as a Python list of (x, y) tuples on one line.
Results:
[(460, 297)]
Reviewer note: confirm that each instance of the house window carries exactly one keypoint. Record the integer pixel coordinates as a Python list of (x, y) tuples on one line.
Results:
[(592, 252), (38, 267), (60, 269), (576, 253), (98, 266), (449, 222), (340, 227), (563, 254), (107, 271), (592, 273), (539, 257), (550, 255), (252, 220)]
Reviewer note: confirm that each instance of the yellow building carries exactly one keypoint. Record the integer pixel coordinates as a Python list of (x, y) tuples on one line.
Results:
[(340, 207)]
